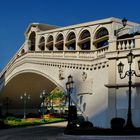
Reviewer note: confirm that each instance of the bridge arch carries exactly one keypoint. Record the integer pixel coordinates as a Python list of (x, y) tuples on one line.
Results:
[(32, 82), (36, 72)]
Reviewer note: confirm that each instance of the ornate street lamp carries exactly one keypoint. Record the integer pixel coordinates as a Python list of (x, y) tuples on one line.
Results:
[(24, 97), (43, 96), (69, 88), (124, 21), (129, 73)]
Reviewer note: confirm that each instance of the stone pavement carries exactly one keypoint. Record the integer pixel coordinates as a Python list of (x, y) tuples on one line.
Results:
[(52, 132)]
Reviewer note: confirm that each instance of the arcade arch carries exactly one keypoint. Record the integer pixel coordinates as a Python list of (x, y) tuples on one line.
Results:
[(59, 42), (101, 38), (49, 43), (71, 41), (84, 40), (32, 41), (42, 44)]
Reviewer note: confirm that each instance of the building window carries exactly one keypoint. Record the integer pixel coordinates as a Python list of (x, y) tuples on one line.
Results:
[(49, 44), (59, 42), (84, 40), (101, 38), (71, 41)]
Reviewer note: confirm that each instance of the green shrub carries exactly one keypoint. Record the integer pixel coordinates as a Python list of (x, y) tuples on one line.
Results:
[(117, 123), (18, 119), (10, 118)]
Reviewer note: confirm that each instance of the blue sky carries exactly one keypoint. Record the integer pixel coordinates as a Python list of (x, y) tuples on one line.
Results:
[(16, 15)]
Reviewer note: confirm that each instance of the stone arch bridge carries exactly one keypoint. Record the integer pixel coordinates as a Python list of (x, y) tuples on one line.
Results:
[(90, 53)]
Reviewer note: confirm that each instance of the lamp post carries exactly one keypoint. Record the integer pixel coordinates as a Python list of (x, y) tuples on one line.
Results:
[(7, 101), (43, 96), (124, 21), (24, 97), (69, 88), (129, 73)]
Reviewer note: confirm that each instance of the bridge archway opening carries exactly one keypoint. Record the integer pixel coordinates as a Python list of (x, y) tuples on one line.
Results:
[(31, 83), (32, 41)]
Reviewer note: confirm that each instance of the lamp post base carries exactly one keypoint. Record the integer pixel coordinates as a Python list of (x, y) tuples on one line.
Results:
[(43, 121), (129, 125), (24, 116), (71, 125)]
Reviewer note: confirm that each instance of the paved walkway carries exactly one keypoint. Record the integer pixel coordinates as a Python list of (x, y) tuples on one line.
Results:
[(52, 132), (42, 132)]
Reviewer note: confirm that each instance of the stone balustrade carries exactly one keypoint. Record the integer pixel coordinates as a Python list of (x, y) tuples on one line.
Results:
[(121, 45), (101, 51), (125, 44)]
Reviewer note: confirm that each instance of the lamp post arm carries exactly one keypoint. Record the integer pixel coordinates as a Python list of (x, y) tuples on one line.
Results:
[(117, 31), (134, 72), (126, 74)]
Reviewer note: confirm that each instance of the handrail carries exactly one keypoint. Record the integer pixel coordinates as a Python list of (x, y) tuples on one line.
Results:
[(125, 39), (80, 54), (84, 114)]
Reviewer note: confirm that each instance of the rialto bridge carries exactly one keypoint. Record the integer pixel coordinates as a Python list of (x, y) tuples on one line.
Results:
[(90, 52)]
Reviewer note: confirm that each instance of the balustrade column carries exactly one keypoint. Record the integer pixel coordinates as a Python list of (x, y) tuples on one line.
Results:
[(78, 53), (63, 54)]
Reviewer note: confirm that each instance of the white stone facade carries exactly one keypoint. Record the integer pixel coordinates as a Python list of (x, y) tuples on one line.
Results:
[(90, 52)]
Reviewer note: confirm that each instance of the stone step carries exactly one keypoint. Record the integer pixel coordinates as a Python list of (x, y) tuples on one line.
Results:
[(72, 137)]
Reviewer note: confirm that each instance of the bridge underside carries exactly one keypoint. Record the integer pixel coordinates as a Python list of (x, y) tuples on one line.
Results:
[(31, 83)]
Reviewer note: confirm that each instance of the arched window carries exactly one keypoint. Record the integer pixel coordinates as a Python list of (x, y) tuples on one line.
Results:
[(32, 41), (84, 40), (49, 44), (71, 41), (101, 38), (59, 42), (42, 44)]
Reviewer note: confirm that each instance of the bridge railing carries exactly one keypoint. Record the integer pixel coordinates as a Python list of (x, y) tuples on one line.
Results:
[(81, 54), (121, 44), (11, 61), (79, 109)]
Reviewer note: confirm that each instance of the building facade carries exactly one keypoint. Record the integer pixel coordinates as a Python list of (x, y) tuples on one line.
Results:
[(90, 52)]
